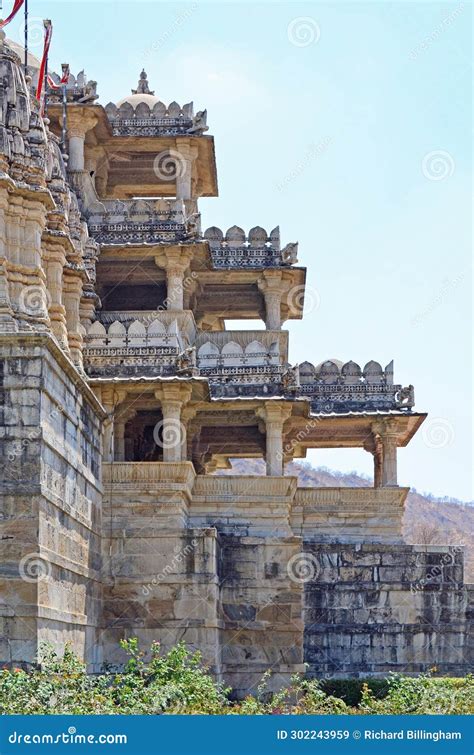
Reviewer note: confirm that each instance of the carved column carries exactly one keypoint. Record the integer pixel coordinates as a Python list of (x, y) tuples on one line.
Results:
[(72, 288), (375, 447), (119, 441), (184, 168), (274, 415), (187, 415), (273, 287), (78, 124), (175, 263), (55, 259), (172, 398), (386, 435)]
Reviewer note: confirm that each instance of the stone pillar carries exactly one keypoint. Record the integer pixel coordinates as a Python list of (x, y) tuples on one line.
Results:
[(274, 415), (78, 124), (187, 415), (184, 168), (55, 259), (72, 288), (175, 263), (273, 286), (173, 397), (119, 441), (374, 446), (386, 442)]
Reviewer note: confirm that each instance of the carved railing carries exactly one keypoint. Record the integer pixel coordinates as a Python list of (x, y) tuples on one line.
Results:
[(142, 222), (234, 487), (147, 474), (161, 120), (333, 387), (257, 249), (136, 343), (244, 357)]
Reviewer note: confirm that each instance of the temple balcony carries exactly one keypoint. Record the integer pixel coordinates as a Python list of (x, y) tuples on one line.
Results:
[(244, 357), (141, 118), (137, 343), (138, 222), (258, 249), (341, 388)]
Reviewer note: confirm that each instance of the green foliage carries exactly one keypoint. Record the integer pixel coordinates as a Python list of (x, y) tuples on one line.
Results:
[(177, 682), (350, 690), (422, 694)]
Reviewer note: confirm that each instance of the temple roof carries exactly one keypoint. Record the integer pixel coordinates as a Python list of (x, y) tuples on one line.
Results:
[(142, 93)]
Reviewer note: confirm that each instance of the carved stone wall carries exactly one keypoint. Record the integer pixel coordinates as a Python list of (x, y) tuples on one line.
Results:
[(371, 609), (50, 501)]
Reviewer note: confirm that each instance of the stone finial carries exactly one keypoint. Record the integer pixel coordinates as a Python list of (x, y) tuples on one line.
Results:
[(142, 86)]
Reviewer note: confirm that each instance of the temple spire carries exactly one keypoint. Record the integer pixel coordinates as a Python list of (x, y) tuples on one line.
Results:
[(142, 86)]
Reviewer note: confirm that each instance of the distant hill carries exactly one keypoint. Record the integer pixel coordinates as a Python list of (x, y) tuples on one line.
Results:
[(427, 519)]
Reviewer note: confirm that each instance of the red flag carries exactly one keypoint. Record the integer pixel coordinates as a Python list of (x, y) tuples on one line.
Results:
[(66, 74), (48, 31), (16, 7), (52, 84), (63, 80)]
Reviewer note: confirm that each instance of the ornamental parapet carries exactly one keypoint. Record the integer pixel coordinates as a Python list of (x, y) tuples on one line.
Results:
[(138, 222), (257, 249), (245, 357), (137, 343), (340, 388), (330, 387), (78, 89), (160, 120)]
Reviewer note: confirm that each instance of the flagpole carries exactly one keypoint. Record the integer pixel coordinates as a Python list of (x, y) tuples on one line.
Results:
[(65, 67), (26, 37)]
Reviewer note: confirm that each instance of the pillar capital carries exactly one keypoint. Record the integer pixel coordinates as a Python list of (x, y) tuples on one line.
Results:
[(173, 259), (173, 392), (272, 412), (274, 415), (80, 121), (273, 286)]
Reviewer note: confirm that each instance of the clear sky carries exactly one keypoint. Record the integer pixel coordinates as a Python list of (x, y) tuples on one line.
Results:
[(349, 125)]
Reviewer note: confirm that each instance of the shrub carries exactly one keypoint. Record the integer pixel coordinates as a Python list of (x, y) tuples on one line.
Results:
[(422, 694), (177, 682), (350, 690)]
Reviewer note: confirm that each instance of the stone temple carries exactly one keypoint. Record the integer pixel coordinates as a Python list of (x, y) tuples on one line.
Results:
[(123, 394)]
